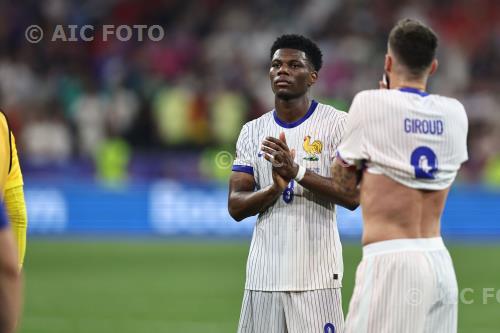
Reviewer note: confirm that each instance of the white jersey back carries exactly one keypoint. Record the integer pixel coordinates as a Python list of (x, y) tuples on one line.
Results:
[(417, 139), (295, 244)]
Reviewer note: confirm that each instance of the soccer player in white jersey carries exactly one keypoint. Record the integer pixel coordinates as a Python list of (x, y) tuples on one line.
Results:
[(294, 267), (409, 145)]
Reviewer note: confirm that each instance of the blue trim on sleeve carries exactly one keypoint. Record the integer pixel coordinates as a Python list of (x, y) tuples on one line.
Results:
[(243, 168), (309, 113), (414, 91), (342, 162)]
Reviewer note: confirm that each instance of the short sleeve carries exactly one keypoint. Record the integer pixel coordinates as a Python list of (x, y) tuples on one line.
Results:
[(244, 158), (5, 157), (352, 148), (339, 130), (464, 155), (15, 177)]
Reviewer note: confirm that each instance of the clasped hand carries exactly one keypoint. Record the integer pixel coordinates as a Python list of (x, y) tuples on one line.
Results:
[(276, 152)]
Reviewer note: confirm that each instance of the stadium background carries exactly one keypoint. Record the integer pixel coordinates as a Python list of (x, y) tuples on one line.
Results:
[(126, 149)]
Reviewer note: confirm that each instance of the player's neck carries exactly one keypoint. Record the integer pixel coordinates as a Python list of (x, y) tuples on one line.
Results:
[(397, 83), (291, 110)]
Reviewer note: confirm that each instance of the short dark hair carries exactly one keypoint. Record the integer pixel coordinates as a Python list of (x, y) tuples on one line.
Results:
[(301, 43), (414, 44)]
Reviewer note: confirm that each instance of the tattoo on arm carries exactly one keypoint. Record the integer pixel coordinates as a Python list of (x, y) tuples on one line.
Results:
[(341, 188), (345, 183)]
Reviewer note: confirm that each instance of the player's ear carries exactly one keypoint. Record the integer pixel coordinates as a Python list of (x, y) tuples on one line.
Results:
[(434, 67), (313, 77), (388, 63)]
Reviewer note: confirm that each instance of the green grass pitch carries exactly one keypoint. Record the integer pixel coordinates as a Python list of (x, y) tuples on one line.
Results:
[(156, 286)]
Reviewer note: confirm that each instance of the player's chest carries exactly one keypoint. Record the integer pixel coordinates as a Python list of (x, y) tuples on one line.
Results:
[(314, 149)]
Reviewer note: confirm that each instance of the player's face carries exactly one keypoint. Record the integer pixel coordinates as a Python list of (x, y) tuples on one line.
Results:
[(291, 73)]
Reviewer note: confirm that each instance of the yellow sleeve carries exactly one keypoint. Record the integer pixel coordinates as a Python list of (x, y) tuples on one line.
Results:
[(4, 152), (14, 201), (16, 211), (15, 177)]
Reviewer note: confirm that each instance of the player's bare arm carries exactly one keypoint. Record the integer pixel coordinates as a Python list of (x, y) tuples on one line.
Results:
[(10, 282), (341, 188), (244, 201)]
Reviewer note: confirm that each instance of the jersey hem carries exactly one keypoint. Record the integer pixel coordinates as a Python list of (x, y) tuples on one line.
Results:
[(292, 289), (333, 286)]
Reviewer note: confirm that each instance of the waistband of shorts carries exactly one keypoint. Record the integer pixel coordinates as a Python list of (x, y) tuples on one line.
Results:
[(402, 245)]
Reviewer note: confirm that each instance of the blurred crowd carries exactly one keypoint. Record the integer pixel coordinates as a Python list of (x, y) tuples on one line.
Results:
[(115, 104)]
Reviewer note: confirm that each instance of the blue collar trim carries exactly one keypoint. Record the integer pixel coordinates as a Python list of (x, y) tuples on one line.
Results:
[(308, 114), (414, 91)]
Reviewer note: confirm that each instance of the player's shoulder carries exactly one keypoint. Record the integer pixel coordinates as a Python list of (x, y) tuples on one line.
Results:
[(366, 99), (329, 109), (258, 123), (452, 108), (375, 94), (368, 102), (329, 112), (449, 101)]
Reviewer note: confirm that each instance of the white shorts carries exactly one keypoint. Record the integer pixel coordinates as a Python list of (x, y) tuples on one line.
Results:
[(404, 285), (315, 311)]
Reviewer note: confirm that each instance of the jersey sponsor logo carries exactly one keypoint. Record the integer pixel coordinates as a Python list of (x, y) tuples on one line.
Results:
[(423, 126), (424, 162), (312, 149), (329, 328)]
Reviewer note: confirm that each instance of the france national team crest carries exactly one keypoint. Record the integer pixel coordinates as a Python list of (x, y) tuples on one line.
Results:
[(424, 161), (312, 149)]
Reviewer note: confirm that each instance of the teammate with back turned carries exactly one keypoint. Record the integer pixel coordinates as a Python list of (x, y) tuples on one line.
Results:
[(409, 145), (294, 267)]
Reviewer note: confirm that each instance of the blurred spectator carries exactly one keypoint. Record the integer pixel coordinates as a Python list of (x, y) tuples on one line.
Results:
[(45, 136), (171, 112), (90, 116), (123, 110), (228, 113), (112, 159)]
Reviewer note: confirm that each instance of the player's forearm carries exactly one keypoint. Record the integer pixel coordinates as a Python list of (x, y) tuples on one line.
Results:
[(10, 283), (10, 298), (243, 204), (16, 210), (338, 192)]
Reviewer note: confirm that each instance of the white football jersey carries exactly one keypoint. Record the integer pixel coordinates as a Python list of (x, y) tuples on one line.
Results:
[(414, 138), (295, 244)]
